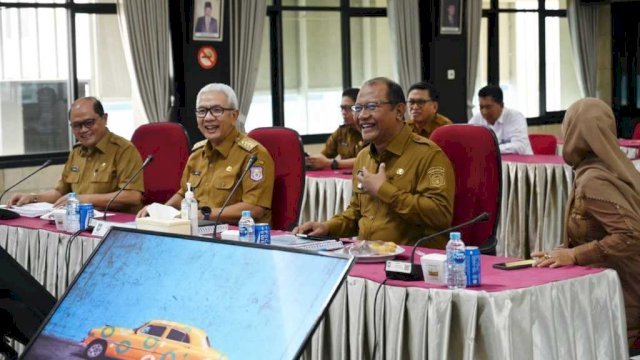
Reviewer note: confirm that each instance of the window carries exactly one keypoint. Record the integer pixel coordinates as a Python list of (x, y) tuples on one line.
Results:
[(153, 330), (39, 78), (178, 335), (525, 47), (324, 47)]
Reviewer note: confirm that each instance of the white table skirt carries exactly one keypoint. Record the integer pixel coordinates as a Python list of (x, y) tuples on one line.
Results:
[(551, 321), (534, 198)]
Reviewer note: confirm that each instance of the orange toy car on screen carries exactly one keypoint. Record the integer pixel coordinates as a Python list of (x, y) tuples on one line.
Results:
[(154, 340)]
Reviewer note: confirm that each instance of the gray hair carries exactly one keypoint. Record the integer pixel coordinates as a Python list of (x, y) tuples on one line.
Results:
[(219, 87)]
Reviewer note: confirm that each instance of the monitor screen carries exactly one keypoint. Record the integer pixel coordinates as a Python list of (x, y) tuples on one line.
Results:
[(146, 295)]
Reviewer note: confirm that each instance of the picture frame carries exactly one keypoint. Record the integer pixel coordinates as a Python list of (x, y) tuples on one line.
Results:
[(208, 16), (451, 17)]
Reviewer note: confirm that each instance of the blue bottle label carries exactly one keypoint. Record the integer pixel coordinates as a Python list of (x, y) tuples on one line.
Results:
[(458, 256)]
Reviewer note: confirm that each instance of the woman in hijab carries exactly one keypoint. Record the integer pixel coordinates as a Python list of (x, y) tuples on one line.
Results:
[(602, 222)]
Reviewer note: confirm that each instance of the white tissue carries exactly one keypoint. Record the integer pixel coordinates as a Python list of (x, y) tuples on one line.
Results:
[(159, 211)]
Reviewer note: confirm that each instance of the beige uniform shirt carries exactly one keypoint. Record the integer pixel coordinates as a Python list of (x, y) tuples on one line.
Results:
[(212, 173), (415, 201), (103, 169), (345, 141), (440, 120)]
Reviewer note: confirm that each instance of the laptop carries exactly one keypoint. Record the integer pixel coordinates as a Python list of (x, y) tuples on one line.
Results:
[(148, 295)]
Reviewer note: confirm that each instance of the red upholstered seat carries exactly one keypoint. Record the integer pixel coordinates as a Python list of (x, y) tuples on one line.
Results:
[(636, 132), (543, 144), (285, 147), (168, 142), (475, 155)]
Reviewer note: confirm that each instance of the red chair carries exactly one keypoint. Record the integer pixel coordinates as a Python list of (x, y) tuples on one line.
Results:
[(543, 144), (285, 147), (475, 155), (168, 142), (636, 132)]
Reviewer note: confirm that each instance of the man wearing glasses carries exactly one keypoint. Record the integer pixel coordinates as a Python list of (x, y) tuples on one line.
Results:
[(404, 187), (346, 141), (217, 162), (423, 109), (99, 164)]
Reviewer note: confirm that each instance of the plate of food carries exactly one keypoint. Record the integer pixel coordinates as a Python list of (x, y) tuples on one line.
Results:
[(372, 251)]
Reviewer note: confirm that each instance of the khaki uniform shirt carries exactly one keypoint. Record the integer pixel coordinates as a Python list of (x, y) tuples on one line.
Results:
[(212, 173), (415, 201), (345, 141), (440, 120), (103, 169)]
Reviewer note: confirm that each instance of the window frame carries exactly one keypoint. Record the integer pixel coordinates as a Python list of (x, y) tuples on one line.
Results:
[(72, 8), (276, 58), (493, 54)]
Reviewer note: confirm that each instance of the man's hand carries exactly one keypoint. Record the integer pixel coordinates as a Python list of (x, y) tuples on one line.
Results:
[(142, 213), (371, 182), (318, 161), (62, 201), (312, 228), (554, 258), (20, 199)]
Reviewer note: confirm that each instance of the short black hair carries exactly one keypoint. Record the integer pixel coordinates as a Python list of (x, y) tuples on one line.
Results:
[(351, 93), (493, 91), (395, 95), (207, 4), (97, 105), (434, 94)]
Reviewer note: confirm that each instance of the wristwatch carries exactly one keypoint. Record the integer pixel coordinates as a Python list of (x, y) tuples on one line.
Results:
[(206, 212), (334, 164)]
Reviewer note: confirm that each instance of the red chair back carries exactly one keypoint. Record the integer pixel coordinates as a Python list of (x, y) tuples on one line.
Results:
[(285, 147), (475, 156), (168, 142), (543, 144), (636, 132)]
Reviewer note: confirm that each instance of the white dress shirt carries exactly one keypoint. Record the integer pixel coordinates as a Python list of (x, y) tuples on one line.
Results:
[(511, 131)]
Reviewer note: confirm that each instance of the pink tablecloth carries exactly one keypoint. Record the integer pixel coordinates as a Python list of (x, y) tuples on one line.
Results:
[(492, 279), (533, 159), (340, 174), (37, 223)]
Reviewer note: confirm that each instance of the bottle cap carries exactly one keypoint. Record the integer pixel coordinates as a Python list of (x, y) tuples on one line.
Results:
[(189, 193), (246, 213), (454, 235)]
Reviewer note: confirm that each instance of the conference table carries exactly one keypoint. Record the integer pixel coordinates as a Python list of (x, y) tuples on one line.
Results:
[(576, 312), (535, 189)]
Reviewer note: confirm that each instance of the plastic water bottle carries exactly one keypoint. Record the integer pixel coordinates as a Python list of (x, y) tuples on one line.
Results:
[(246, 227), (456, 275), (189, 210), (73, 213)]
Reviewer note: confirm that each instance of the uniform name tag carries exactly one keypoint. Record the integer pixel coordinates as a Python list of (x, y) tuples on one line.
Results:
[(74, 169)]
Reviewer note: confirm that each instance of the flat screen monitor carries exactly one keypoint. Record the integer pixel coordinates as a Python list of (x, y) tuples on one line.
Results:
[(146, 295)]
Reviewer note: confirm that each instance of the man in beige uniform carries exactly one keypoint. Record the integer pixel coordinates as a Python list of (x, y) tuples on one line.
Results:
[(422, 101), (98, 166), (217, 162), (405, 186)]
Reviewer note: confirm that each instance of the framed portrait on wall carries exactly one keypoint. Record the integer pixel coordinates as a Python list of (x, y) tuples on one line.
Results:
[(451, 17), (207, 20)]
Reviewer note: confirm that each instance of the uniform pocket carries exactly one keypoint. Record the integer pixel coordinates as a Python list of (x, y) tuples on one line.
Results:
[(104, 174), (225, 182), (72, 177)]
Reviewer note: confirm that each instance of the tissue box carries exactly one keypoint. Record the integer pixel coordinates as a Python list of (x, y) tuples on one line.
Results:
[(433, 268), (174, 226)]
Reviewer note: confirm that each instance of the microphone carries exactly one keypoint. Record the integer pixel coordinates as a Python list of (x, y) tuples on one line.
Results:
[(252, 160), (8, 214), (144, 165), (407, 270)]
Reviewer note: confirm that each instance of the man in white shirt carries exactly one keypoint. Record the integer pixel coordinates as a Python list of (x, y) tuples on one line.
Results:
[(509, 125)]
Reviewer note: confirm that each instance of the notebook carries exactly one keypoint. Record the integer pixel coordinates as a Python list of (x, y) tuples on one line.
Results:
[(155, 295)]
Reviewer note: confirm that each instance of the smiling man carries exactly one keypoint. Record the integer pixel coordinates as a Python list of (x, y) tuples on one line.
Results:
[(422, 101), (217, 162), (100, 163), (405, 186)]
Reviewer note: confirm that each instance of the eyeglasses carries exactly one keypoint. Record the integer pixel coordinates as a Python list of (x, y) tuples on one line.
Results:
[(418, 102), (345, 107), (371, 106), (78, 125), (216, 111)]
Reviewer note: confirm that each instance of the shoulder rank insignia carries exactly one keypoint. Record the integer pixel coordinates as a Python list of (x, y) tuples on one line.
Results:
[(247, 143), (199, 144)]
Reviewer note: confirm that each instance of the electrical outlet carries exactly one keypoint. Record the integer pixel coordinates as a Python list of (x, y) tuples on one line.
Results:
[(451, 74)]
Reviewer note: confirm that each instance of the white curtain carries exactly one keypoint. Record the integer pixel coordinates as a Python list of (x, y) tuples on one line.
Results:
[(474, 16), (583, 28), (144, 25), (404, 27), (247, 26)]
